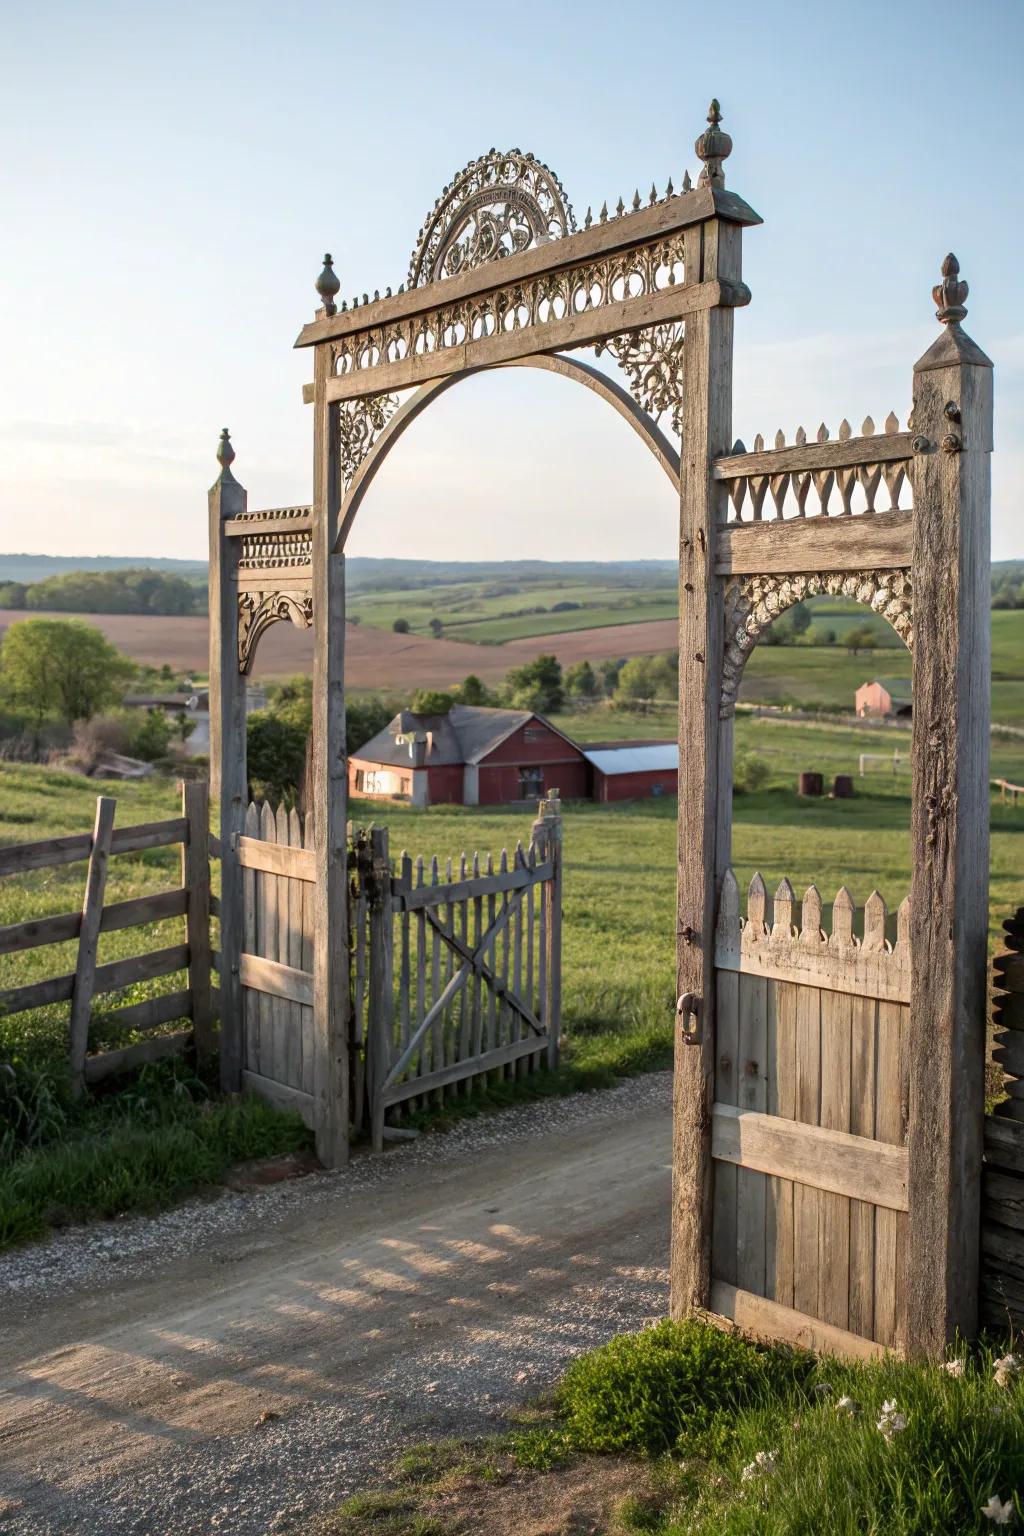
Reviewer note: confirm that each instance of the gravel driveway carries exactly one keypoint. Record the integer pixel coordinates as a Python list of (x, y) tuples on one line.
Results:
[(236, 1365)]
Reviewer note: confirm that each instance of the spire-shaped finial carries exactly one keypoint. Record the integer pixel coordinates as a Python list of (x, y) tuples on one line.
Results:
[(328, 285), (713, 146), (950, 294), (225, 452)]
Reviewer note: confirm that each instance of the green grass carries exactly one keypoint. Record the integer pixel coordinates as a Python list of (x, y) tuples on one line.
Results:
[(735, 1439)]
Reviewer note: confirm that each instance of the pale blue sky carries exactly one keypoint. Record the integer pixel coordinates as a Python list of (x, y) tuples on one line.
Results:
[(171, 175)]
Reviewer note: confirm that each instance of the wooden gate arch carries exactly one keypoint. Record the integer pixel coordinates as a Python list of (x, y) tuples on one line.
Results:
[(502, 275)]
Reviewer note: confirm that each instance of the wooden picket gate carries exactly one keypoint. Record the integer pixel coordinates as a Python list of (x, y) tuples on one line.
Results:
[(462, 971), (809, 1120), (451, 978)]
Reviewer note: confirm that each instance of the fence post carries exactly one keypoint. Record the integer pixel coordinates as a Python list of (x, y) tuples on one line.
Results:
[(547, 832), (88, 939), (195, 877), (380, 981), (228, 776), (952, 422)]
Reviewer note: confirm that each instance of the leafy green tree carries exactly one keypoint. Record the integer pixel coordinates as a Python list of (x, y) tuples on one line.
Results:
[(472, 691), (276, 755), (150, 736), (436, 628), (61, 667), (581, 681), (12, 594), (645, 680), (364, 718), (431, 701), (608, 671), (401, 626), (799, 619), (861, 638), (536, 686), (183, 726)]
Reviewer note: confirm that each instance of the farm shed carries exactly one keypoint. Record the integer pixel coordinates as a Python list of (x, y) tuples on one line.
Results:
[(634, 772), (885, 696), (469, 756)]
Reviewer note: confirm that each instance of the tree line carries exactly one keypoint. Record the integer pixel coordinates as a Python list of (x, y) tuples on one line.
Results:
[(141, 591)]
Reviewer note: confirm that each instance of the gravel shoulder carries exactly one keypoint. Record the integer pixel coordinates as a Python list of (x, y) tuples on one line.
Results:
[(237, 1365)]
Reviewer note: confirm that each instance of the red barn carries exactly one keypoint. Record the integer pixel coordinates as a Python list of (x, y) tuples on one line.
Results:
[(470, 756), (634, 770)]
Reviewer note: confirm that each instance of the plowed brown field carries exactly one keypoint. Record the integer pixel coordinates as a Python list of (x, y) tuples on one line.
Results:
[(374, 658)]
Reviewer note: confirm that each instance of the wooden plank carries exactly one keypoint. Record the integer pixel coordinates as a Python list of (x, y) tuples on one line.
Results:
[(276, 859), (152, 1012), (889, 1127), (490, 1061), (159, 1048), (274, 980), (240, 527), (266, 927), (751, 1184), (883, 448), (132, 913), (296, 892), (712, 252), (88, 941), (54, 851), (282, 1012), (862, 1123), (488, 884), (860, 973), (306, 964), (195, 878), (1004, 1142), (249, 1001), (806, 1205), (782, 1103), (949, 837), (380, 1017), (727, 1068), (790, 546), (281, 1096), (1002, 1198), (768, 1320), (554, 890), (812, 1156), (464, 936), (834, 1263)]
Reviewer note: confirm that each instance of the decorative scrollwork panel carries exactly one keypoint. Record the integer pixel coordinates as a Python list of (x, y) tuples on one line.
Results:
[(497, 206), (652, 361), (360, 424), (258, 610), (753, 603)]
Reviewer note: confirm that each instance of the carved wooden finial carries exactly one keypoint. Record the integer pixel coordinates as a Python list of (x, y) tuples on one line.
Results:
[(225, 452), (951, 293), (713, 146), (687, 183), (328, 285)]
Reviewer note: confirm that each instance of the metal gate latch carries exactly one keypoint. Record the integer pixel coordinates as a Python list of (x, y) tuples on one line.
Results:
[(688, 1009)]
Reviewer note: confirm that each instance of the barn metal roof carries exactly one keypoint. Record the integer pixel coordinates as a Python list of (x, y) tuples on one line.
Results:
[(631, 759)]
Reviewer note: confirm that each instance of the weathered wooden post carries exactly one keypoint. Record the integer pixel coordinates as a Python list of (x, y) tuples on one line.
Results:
[(331, 996), (952, 423), (380, 980), (228, 774), (195, 877), (547, 838), (712, 256), (88, 940)]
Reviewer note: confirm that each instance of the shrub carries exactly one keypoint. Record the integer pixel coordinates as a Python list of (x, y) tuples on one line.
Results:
[(276, 755), (665, 1388), (401, 626), (749, 773)]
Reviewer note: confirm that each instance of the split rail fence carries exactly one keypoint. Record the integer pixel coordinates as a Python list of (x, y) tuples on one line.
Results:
[(190, 900)]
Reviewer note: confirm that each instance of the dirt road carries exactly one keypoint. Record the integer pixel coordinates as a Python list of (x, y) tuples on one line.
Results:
[(255, 1371), (374, 658)]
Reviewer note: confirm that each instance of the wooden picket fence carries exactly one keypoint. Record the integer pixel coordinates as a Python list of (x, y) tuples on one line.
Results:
[(454, 975), (1002, 1185), (190, 900)]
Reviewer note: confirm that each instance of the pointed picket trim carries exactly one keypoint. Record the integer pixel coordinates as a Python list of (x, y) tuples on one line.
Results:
[(768, 941)]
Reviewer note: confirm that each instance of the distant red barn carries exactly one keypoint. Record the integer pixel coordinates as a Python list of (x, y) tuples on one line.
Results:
[(634, 771), (470, 756)]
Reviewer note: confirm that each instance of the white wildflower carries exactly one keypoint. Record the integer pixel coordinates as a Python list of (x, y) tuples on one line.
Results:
[(998, 1512), (954, 1368), (762, 1464), (892, 1422), (1006, 1370), (848, 1406)]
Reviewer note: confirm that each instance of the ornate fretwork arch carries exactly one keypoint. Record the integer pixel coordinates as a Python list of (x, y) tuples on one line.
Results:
[(753, 603), (257, 610), (502, 204)]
